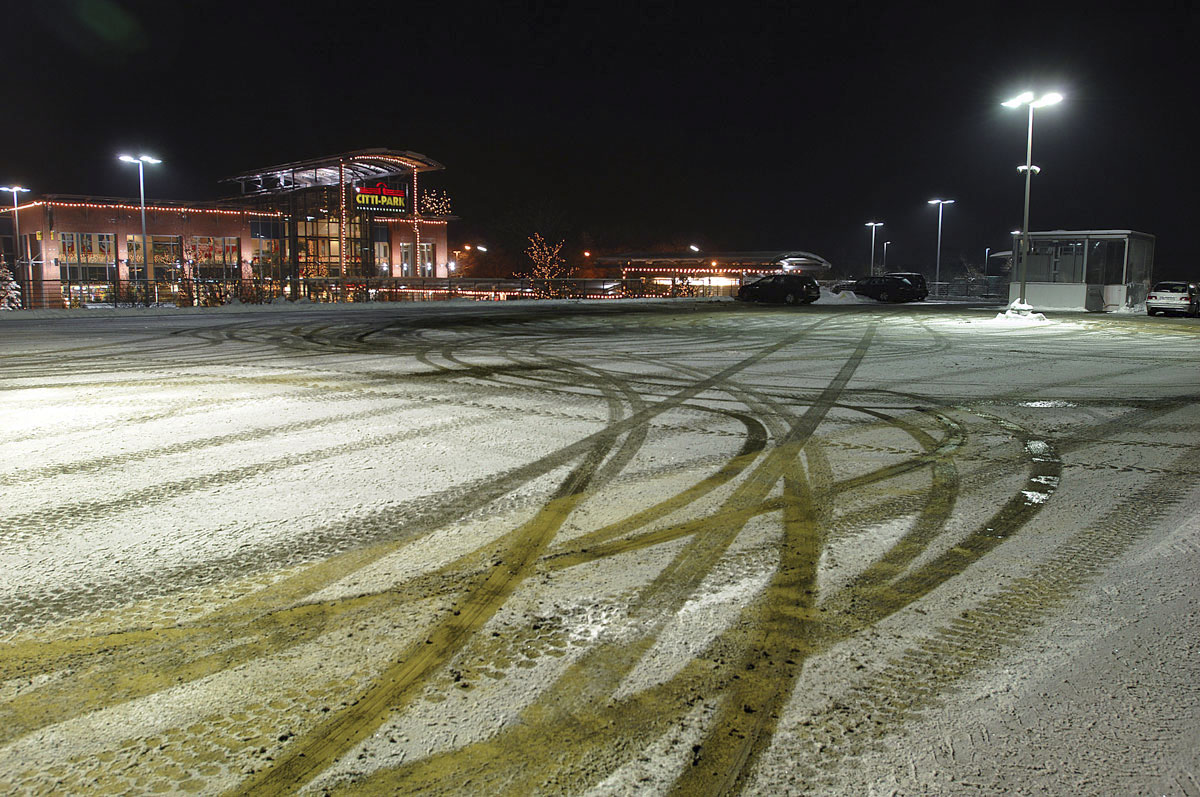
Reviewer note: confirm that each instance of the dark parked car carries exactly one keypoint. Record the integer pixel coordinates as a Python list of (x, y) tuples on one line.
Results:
[(917, 280), (884, 289), (786, 288)]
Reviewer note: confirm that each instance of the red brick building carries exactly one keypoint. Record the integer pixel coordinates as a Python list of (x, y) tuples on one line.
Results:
[(354, 215)]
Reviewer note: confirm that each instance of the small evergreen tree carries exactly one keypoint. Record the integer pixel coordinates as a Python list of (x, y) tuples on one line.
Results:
[(10, 291)]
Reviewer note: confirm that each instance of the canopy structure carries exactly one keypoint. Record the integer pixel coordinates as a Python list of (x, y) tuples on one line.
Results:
[(719, 261), (359, 165)]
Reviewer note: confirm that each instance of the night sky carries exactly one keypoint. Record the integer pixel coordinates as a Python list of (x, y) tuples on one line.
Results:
[(629, 126)]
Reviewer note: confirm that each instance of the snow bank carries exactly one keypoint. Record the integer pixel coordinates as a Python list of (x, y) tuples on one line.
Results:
[(845, 297), (1021, 314)]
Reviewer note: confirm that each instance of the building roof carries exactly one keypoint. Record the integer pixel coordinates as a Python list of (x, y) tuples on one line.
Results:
[(361, 164), (775, 259), (1092, 233)]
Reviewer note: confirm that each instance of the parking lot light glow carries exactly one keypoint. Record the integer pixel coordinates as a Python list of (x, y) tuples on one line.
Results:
[(1020, 99), (1024, 98)]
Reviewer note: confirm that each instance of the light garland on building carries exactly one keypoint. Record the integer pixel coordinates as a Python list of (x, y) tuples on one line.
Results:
[(155, 208)]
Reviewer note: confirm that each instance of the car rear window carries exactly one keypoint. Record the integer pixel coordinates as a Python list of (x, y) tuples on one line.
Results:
[(1171, 287)]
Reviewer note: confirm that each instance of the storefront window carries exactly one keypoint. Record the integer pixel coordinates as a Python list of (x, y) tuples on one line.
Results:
[(213, 258), (86, 256), (166, 257)]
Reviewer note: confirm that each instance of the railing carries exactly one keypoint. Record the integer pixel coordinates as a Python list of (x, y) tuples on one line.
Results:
[(54, 294)]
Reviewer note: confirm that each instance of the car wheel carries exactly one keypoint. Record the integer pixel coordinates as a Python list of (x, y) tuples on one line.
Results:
[(1149, 311), (789, 298), (884, 296)]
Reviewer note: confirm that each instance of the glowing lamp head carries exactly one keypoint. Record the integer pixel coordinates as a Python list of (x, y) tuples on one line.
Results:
[(16, 189), (1019, 100), (1050, 99)]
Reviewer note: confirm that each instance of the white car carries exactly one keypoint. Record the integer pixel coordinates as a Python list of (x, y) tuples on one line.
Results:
[(1172, 297)]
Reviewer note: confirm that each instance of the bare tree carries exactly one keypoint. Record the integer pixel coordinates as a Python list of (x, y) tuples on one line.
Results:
[(548, 264)]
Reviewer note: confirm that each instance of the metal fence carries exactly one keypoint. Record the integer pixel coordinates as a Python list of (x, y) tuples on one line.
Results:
[(54, 294)]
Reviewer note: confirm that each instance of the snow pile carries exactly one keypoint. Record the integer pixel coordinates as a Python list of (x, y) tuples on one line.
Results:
[(845, 297), (1020, 313)]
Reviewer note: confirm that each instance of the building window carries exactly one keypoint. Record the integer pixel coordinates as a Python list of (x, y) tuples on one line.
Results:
[(406, 260), (166, 258), (86, 256), (425, 258), (213, 258)]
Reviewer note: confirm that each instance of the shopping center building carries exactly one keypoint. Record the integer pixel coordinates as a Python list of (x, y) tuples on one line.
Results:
[(355, 215)]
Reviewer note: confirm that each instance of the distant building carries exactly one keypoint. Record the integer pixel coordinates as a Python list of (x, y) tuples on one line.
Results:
[(713, 269), (356, 214), (1098, 270)]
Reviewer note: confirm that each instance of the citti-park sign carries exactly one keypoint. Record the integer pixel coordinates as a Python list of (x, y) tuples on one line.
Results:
[(380, 197)]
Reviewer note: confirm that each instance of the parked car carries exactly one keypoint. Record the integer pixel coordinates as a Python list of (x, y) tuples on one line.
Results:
[(785, 288), (917, 280), (884, 289), (1173, 297)]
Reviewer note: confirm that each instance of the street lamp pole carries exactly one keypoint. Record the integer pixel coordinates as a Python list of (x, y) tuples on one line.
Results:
[(141, 161), (873, 225), (1026, 98), (937, 277), (885, 246), (14, 190)]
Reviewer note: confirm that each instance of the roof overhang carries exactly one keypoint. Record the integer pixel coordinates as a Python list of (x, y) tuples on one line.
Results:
[(359, 165), (794, 259)]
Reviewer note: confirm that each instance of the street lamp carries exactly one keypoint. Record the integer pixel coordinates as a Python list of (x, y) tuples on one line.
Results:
[(14, 190), (885, 246), (141, 162), (1026, 98), (693, 247), (873, 225), (937, 276)]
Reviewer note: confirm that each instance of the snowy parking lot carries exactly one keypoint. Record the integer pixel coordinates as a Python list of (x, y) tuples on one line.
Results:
[(599, 548)]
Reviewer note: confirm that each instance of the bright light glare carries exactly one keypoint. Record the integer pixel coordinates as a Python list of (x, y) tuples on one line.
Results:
[(481, 248), (148, 159), (694, 248), (127, 158), (1050, 99), (16, 188), (1020, 99), (873, 224), (941, 202)]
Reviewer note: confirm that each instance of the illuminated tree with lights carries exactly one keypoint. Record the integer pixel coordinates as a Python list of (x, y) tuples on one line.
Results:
[(435, 203), (10, 291), (548, 264)]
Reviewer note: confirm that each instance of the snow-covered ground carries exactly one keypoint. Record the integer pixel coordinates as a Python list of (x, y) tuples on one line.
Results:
[(599, 548)]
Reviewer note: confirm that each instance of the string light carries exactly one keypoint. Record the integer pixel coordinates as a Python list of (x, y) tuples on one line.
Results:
[(436, 203), (156, 208)]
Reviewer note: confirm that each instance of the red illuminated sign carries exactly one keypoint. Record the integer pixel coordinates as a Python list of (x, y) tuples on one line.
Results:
[(380, 197)]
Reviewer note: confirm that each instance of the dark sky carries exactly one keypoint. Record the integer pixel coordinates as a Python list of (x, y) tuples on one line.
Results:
[(638, 125)]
